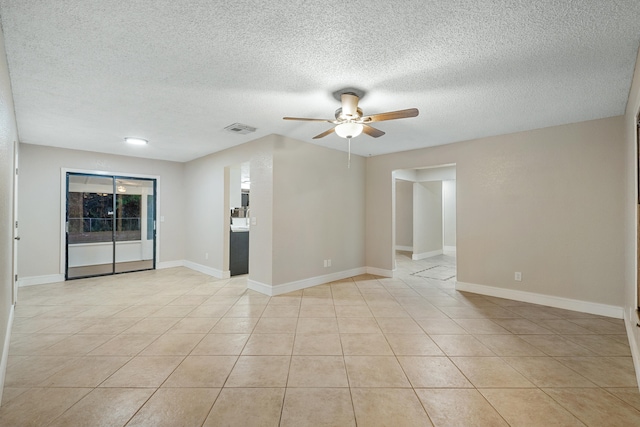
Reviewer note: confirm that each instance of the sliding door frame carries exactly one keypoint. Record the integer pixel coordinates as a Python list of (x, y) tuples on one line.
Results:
[(63, 209)]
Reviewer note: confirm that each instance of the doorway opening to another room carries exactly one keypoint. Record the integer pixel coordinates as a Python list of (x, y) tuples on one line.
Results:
[(239, 188), (425, 222)]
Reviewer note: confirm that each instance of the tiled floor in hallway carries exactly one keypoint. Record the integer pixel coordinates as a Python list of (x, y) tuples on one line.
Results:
[(178, 348)]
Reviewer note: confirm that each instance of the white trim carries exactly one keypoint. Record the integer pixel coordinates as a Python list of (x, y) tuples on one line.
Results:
[(416, 257), (170, 264), (304, 283), (630, 325), (379, 272), (404, 248), (207, 270), (5, 349), (450, 249), (40, 280), (548, 300)]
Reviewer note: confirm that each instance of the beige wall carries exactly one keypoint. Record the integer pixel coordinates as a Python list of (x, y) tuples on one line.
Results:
[(631, 217), (427, 217), (318, 211), (449, 212), (404, 213), (8, 136), (40, 194), (547, 203)]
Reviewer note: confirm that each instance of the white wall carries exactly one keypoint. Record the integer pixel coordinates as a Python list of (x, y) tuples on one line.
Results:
[(631, 219), (318, 211), (449, 213), (235, 192), (427, 219), (8, 138), (547, 203), (40, 195), (404, 214)]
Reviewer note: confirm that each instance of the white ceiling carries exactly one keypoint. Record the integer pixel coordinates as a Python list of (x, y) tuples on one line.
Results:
[(86, 73)]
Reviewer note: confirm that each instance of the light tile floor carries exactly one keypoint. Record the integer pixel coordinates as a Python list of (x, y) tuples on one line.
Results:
[(178, 348)]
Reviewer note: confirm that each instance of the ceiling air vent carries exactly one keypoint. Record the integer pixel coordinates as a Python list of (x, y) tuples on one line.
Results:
[(240, 129)]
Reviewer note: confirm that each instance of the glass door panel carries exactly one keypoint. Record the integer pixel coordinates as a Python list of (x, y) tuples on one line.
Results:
[(135, 228), (110, 225), (89, 225)]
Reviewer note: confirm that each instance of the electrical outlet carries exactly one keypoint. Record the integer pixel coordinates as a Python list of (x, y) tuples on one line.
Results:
[(326, 263), (329, 263), (518, 276)]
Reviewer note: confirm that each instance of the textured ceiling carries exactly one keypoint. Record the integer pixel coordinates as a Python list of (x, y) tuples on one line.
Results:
[(86, 73)]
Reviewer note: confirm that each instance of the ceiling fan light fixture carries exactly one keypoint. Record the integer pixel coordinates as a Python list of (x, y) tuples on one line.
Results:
[(349, 129)]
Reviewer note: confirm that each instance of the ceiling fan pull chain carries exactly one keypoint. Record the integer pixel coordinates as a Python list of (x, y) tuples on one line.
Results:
[(349, 161)]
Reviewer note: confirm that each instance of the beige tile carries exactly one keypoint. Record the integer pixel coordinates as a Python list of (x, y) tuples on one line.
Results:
[(87, 371), (413, 345), (317, 407), (395, 310), (110, 326), (631, 395), (277, 310), (144, 371), (190, 300), (556, 345), (38, 406), (602, 345), (604, 371), (276, 325), (358, 325), (33, 370), (600, 326), (124, 345), (259, 371), (176, 407), (172, 345), (201, 371), (317, 371), (441, 327), (561, 326), (269, 345), (532, 407), (322, 325), (390, 325), (194, 325), (388, 407), (353, 311), (33, 344), (509, 345), (76, 345), (172, 311), (317, 311), (152, 326), (138, 311), (317, 345), (482, 326), (522, 326), (221, 344), (365, 345), (490, 372), (432, 372), (461, 345), (459, 407), (104, 407), (245, 310), (243, 407), (292, 299), (375, 371), (210, 310), (596, 407), (547, 372), (234, 325), (10, 393), (316, 300)]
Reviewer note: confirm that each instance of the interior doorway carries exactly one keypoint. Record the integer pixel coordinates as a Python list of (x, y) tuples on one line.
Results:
[(110, 225), (239, 197)]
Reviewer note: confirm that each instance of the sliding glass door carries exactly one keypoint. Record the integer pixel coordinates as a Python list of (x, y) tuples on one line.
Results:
[(110, 225)]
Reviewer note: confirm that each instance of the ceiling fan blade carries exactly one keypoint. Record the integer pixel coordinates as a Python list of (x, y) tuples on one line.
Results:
[(371, 131), (304, 119), (325, 133), (392, 115)]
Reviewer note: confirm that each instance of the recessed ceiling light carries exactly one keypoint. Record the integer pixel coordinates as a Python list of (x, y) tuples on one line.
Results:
[(135, 141)]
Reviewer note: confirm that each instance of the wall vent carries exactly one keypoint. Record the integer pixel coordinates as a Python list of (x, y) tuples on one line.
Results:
[(240, 129)]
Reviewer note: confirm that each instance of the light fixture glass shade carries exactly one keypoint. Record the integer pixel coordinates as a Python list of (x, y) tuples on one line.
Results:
[(349, 129), (135, 141)]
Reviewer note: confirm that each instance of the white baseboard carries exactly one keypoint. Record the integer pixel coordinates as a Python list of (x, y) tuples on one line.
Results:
[(304, 283), (5, 350), (633, 335), (404, 248), (424, 255), (379, 272), (450, 249), (548, 300), (40, 280), (207, 270), (170, 264)]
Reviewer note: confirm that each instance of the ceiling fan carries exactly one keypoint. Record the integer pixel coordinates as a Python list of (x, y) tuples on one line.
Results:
[(350, 122)]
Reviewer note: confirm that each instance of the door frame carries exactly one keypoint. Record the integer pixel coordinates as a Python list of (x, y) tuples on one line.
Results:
[(14, 225), (63, 208)]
